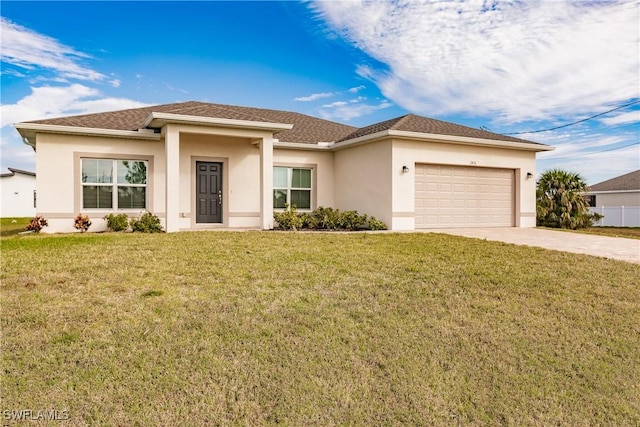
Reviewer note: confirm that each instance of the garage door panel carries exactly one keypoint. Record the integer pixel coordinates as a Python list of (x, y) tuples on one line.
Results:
[(462, 196)]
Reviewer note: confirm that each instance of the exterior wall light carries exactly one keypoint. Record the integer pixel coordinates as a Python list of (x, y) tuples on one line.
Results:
[(405, 169), (529, 175)]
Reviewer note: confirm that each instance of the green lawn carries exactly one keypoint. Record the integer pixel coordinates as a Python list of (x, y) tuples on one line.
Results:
[(12, 226), (264, 328), (626, 232)]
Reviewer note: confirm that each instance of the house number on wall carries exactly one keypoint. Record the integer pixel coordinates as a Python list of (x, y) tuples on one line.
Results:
[(473, 162)]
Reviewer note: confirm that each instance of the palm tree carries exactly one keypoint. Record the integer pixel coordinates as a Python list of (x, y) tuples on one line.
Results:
[(560, 200)]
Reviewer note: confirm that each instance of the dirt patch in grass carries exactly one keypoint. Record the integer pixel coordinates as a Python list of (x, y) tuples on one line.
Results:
[(316, 329)]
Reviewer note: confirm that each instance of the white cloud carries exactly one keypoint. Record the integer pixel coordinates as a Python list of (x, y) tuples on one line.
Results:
[(357, 89), (314, 97), (513, 61), (49, 101), (46, 102), (12, 72), (590, 166), (623, 118), (593, 151), (15, 154), (345, 111), (335, 104), (175, 89), (30, 50)]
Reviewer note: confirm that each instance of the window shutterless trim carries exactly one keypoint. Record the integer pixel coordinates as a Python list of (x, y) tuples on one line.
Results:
[(114, 185), (312, 189), (77, 178)]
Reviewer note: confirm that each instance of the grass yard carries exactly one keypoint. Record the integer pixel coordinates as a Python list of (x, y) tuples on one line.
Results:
[(12, 226), (626, 232), (264, 328)]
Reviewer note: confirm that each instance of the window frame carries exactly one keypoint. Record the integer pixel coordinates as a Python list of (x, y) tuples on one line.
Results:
[(312, 186), (114, 185)]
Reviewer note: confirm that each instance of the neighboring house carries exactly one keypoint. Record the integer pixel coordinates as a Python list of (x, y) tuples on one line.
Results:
[(618, 199), (18, 194), (206, 166)]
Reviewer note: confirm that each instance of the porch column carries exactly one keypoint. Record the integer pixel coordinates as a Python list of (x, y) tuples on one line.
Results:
[(172, 175), (266, 184)]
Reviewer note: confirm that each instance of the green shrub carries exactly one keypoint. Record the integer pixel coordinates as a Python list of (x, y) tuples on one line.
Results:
[(118, 222), (325, 219), (147, 223), (308, 220), (376, 224), (288, 219), (351, 220), (37, 223), (82, 222)]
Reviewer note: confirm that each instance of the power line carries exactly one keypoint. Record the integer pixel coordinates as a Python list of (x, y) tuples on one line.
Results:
[(575, 123), (589, 154)]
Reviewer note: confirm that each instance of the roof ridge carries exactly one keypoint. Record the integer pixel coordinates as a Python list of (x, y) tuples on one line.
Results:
[(223, 107), (374, 128), (403, 119)]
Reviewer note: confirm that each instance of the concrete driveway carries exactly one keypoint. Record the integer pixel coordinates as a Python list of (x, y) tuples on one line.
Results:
[(590, 244)]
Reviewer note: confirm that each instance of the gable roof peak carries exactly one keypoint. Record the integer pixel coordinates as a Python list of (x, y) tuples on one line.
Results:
[(425, 125)]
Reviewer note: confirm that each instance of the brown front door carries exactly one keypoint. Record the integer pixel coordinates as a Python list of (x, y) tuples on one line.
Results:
[(208, 192)]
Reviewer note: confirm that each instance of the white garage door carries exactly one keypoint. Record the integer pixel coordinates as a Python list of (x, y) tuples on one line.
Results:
[(461, 196)]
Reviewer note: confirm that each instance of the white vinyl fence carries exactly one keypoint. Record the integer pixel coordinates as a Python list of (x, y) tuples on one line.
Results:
[(618, 216)]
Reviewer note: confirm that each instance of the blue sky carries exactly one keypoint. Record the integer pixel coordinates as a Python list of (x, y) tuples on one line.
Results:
[(505, 66)]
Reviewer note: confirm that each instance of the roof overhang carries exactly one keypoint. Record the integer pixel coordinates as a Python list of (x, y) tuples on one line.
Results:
[(158, 120), (449, 139), (320, 146), (28, 132), (13, 171)]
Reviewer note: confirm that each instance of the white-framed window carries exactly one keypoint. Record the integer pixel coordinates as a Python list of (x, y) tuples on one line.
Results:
[(292, 186), (114, 184)]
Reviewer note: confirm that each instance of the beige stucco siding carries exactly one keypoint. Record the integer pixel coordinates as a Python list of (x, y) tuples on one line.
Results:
[(58, 172), (363, 180), (410, 153), (321, 162)]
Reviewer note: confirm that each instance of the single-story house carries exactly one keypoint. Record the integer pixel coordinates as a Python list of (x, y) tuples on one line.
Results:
[(618, 199), (205, 166), (18, 194)]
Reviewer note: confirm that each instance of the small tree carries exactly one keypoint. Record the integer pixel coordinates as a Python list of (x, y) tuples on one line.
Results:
[(560, 201)]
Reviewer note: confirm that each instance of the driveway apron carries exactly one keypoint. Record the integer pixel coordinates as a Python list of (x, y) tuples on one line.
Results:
[(590, 244)]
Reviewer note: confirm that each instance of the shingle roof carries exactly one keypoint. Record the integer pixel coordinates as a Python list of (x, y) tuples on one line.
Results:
[(414, 123), (306, 129), (629, 181)]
